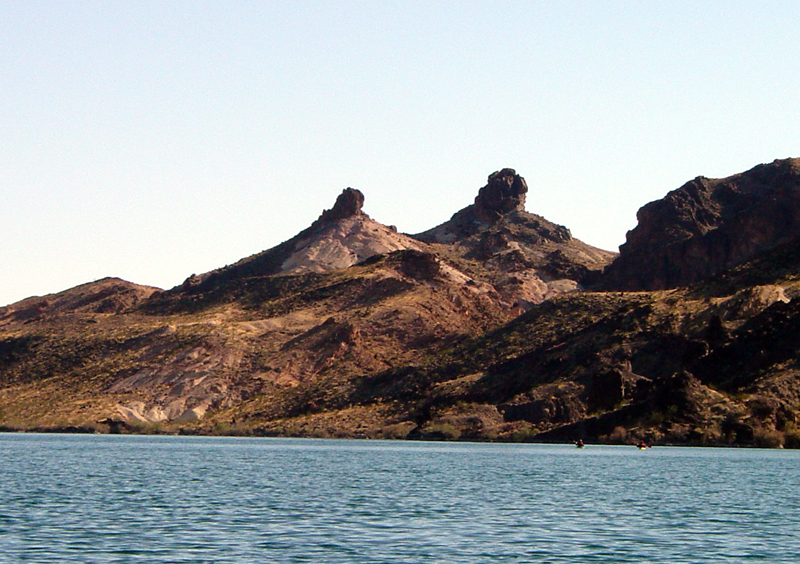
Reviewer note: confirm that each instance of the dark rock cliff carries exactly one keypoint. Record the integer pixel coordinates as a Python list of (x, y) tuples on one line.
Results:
[(708, 226)]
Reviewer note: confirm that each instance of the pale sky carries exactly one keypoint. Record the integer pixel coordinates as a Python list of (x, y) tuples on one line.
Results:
[(152, 140)]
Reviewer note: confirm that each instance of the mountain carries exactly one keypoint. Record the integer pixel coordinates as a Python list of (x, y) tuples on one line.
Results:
[(345, 297), (484, 328), (524, 257), (109, 295)]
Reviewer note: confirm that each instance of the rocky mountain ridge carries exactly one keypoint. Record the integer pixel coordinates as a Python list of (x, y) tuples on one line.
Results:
[(481, 328)]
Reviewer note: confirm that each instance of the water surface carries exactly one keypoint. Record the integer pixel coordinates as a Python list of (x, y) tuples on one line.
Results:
[(103, 499)]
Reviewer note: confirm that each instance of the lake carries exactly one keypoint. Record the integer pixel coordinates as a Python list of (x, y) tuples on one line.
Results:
[(155, 499)]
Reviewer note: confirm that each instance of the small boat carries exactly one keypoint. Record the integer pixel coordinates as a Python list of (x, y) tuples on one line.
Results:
[(579, 443), (642, 446)]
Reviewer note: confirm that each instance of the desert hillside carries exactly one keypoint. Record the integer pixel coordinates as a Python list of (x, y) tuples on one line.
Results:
[(496, 325)]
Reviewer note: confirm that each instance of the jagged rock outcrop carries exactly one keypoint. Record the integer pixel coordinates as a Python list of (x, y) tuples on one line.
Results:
[(708, 226), (503, 194), (612, 385)]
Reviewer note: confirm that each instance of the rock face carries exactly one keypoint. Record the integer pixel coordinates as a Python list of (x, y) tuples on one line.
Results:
[(344, 243), (708, 226), (341, 237), (503, 194)]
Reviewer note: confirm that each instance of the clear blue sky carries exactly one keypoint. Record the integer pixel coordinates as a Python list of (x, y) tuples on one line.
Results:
[(153, 140)]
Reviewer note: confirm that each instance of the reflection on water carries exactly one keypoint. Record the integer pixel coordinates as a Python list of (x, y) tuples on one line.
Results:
[(185, 499)]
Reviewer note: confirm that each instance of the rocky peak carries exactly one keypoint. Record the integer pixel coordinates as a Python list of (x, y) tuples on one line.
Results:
[(348, 204), (504, 192)]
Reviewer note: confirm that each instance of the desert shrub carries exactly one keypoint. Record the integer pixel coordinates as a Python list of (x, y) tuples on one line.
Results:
[(147, 428), (523, 434), (446, 431), (230, 429), (791, 439), (618, 436), (768, 438), (397, 430)]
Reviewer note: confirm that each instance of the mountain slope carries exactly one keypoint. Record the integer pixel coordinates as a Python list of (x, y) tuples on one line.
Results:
[(109, 295), (346, 296), (146, 367), (695, 365)]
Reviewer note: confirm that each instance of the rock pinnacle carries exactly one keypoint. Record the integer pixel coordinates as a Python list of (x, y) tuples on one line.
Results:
[(348, 204), (504, 192)]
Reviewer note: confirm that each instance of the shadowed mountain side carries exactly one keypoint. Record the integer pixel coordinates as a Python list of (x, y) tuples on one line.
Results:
[(708, 226), (685, 366)]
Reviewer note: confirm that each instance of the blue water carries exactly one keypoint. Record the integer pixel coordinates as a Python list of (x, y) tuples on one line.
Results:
[(77, 498)]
